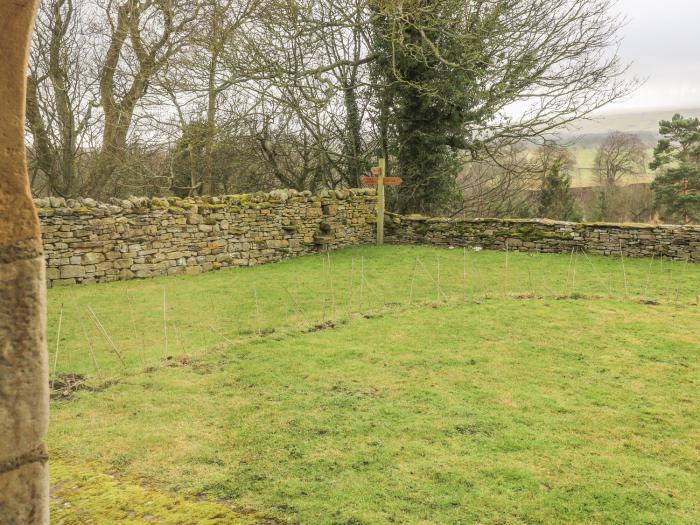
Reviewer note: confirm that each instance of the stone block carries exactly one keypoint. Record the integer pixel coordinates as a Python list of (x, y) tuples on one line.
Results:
[(93, 258), (70, 271)]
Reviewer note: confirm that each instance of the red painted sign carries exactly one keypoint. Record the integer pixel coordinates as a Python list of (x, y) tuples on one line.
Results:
[(376, 170), (388, 181)]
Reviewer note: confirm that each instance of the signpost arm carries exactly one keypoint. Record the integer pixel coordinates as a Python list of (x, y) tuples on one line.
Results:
[(380, 203)]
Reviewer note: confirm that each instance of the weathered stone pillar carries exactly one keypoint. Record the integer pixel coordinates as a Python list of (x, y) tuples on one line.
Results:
[(23, 359)]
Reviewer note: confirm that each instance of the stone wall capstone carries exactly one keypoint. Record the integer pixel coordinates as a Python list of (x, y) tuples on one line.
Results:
[(547, 236), (87, 241)]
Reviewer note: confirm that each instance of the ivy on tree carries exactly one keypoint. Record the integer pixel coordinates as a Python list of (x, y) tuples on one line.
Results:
[(446, 74)]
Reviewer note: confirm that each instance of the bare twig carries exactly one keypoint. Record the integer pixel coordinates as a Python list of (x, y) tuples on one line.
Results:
[(165, 324), (178, 334), (598, 274), (89, 342), (685, 268), (568, 270), (352, 286), (58, 340), (624, 271), (330, 277), (648, 279), (505, 279), (220, 334), (133, 326), (362, 282), (104, 333), (296, 305), (413, 278), (257, 310), (464, 272)]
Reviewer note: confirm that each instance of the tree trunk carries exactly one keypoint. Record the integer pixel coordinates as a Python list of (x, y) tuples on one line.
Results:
[(24, 406), (211, 127), (353, 139)]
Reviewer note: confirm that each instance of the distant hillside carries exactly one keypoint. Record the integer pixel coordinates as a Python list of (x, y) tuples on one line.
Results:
[(589, 133)]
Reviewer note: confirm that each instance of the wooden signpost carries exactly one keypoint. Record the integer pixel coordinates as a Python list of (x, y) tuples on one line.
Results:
[(378, 179), (388, 181)]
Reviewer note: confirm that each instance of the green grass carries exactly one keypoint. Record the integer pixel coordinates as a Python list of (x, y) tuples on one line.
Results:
[(206, 310), (497, 403)]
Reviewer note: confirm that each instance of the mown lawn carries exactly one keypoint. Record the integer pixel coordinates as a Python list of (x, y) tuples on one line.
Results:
[(518, 389), (151, 319)]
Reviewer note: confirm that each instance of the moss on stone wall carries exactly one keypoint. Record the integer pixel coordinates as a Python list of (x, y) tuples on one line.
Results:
[(140, 237), (538, 235)]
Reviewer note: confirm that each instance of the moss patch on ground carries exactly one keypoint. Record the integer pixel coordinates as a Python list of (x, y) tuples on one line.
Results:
[(83, 494)]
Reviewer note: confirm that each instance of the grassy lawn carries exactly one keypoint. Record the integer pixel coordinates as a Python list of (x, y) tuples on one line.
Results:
[(510, 389)]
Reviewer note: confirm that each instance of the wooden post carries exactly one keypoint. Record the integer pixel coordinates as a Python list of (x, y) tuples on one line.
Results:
[(380, 180), (381, 202)]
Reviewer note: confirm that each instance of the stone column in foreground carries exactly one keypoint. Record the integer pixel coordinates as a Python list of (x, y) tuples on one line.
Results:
[(23, 358)]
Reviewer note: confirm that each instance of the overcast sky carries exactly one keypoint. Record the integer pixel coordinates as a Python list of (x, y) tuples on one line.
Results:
[(662, 39)]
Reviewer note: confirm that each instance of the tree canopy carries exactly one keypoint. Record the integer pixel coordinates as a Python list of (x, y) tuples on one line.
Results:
[(312, 90)]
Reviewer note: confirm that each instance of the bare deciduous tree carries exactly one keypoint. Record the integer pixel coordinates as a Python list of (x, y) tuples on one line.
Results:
[(619, 155), (143, 36), (326, 84), (61, 97)]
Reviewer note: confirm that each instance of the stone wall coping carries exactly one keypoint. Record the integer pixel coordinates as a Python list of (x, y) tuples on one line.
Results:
[(49, 205), (546, 222)]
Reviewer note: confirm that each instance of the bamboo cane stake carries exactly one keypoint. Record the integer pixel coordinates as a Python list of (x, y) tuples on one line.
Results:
[(257, 311), (165, 324), (464, 272), (104, 333), (89, 342), (133, 326), (648, 277), (413, 278), (330, 277), (58, 341), (624, 271)]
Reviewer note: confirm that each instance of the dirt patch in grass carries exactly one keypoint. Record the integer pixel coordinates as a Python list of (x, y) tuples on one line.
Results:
[(326, 325), (196, 365), (64, 386)]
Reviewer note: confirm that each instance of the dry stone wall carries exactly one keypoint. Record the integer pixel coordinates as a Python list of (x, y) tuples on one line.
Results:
[(87, 241), (542, 235)]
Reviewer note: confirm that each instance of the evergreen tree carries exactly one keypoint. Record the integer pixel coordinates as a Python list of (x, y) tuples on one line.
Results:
[(677, 189), (555, 200), (602, 208)]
